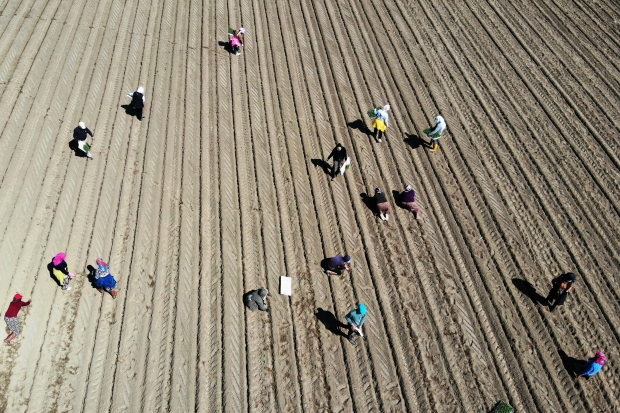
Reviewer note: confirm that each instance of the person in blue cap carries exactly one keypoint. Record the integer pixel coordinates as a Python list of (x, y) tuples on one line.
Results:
[(356, 319), (337, 264)]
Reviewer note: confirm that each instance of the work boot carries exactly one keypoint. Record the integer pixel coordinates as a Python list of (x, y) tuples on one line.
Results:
[(113, 293), (352, 341)]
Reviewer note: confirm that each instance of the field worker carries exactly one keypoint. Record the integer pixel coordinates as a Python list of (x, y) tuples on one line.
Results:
[(408, 201), (594, 365), (80, 134), (562, 285), (104, 280), (337, 264), (236, 40), (10, 317), (61, 271), (436, 132), (339, 153), (381, 122), (383, 206), (137, 102), (256, 299), (356, 319)]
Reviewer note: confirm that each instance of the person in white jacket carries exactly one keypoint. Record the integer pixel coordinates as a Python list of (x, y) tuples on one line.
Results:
[(436, 132)]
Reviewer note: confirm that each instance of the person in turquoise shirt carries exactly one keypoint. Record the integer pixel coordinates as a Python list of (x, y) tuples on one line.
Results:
[(356, 319), (594, 365)]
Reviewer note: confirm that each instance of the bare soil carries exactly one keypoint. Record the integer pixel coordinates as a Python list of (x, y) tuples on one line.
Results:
[(221, 190)]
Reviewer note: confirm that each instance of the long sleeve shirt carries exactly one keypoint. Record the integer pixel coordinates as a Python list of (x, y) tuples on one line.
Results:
[(591, 368), (356, 318), (62, 267), (254, 296), (380, 198), (383, 115), (81, 134), (337, 263), (409, 196), (438, 128), (338, 155), (14, 308)]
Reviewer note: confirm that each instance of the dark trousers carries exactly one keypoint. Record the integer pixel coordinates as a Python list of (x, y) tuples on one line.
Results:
[(138, 113), (379, 134), (352, 332), (558, 295), (336, 167)]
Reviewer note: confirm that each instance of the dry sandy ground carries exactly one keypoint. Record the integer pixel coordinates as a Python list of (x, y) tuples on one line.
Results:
[(216, 193)]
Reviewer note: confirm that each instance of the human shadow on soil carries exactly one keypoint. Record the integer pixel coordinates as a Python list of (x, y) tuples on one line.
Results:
[(129, 110), (225, 45), (370, 202), (415, 141), (73, 145), (329, 320), (572, 365), (322, 164), (529, 290), (360, 125), (91, 275), (398, 198), (50, 268)]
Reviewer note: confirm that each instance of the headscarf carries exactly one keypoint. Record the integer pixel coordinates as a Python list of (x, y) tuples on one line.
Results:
[(17, 296), (82, 125), (60, 257), (377, 190), (439, 119), (241, 30), (408, 187), (600, 358), (362, 309), (386, 108), (141, 90), (103, 270), (263, 292), (103, 266), (347, 259)]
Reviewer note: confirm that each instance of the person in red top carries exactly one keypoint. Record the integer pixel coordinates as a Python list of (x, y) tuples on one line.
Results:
[(10, 317)]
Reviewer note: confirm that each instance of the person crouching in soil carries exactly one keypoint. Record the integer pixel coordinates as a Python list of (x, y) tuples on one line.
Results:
[(10, 317), (383, 206), (236, 40), (594, 365), (356, 319), (337, 264), (562, 285), (61, 271), (256, 300), (408, 201), (104, 280)]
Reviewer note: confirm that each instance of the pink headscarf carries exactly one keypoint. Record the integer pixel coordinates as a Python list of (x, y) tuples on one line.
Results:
[(600, 358), (59, 258)]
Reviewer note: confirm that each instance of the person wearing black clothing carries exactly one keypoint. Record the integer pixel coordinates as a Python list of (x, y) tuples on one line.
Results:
[(339, 153), (137, 102), (562, 285), (80, 134)]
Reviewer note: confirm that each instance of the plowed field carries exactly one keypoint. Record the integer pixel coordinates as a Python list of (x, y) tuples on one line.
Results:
[(221, 190)]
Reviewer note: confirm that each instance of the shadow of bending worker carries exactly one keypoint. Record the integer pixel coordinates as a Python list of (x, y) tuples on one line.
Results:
[(573, 366), (330, 322), (529, 290), (361, 126)]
